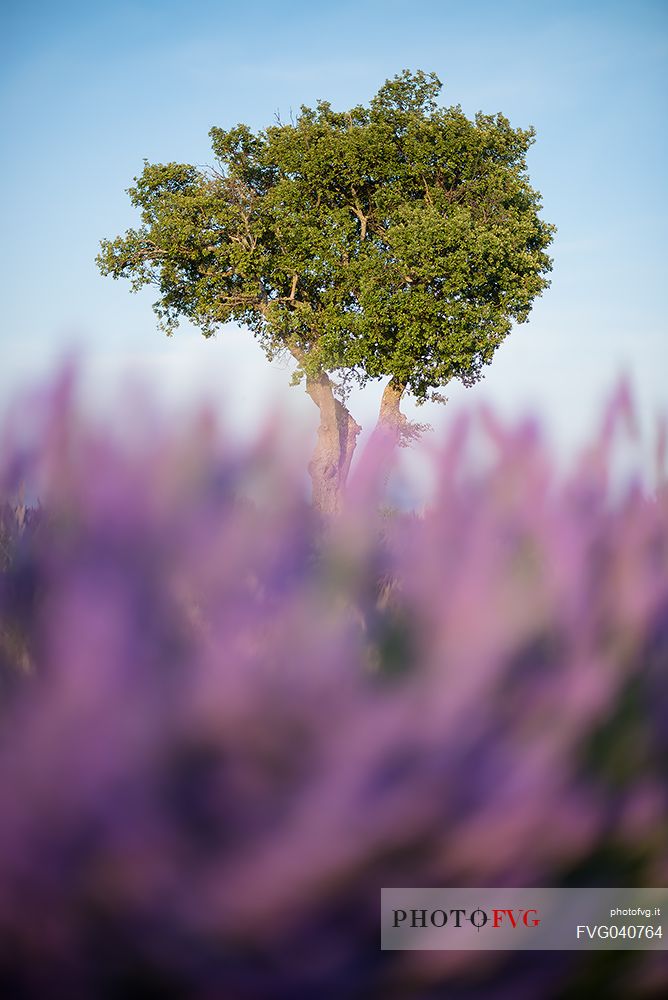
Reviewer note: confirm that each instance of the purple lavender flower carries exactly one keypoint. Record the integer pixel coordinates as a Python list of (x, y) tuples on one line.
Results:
[(224, 727)]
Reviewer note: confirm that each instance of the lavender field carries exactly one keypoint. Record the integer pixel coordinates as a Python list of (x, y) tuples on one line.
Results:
[(226, 723)]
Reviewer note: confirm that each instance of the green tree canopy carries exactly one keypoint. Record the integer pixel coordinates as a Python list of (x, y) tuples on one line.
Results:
[(398, 239)]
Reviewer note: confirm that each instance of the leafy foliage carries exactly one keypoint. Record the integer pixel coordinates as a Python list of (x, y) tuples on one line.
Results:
[(398, 239)]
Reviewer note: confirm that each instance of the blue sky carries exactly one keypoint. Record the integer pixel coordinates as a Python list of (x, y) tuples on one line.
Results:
[(87, 90)]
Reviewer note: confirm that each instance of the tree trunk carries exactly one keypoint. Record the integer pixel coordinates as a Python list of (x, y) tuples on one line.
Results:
[(390, 419), (337, 436)]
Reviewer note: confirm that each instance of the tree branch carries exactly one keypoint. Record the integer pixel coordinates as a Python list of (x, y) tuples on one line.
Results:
[(392, 420)]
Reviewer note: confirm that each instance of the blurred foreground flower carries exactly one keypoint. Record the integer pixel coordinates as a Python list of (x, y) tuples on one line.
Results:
[(224, 725)]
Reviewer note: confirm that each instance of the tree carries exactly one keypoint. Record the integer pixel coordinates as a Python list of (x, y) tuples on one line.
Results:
[(398, 240)]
